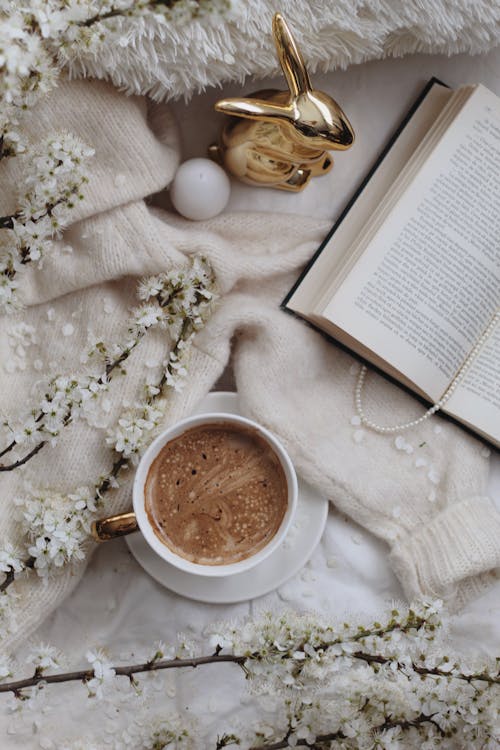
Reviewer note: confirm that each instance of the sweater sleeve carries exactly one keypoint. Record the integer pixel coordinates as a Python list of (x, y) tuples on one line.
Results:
[(454, 555)]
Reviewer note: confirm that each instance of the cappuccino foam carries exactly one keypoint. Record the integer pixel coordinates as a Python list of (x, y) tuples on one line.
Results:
[(216, 494)]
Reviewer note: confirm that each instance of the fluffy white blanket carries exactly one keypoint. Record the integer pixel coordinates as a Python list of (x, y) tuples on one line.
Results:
[(177, 60)]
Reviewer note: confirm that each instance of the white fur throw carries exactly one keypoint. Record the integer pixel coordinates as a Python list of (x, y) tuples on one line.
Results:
[(178, 60)]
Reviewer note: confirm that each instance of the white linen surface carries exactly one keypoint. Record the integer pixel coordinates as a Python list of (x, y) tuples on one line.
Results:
[(117, 604)]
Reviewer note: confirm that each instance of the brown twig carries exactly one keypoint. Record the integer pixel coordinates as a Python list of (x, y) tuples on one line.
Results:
[(102, 17), (149, 666), (427, 671), (114, 12), (24, 460), (9, 577), (323, 738), (7, 222), (8, 448), (10, 467), (13, 444)]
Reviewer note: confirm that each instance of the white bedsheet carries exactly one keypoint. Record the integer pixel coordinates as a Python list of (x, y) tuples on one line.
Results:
[(119, 606)]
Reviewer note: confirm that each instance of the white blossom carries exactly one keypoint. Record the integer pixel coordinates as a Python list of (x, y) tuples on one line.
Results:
[(54, 174), (220, 641), (58, 526), (9, 266), (79, 396), (27, 432), (150, 287), (26, 68), (44, 657), (161, 651), (10, 559), (103, 672), (168, 733), (133, 430), (13, 142), (362, 706), (147, 316)]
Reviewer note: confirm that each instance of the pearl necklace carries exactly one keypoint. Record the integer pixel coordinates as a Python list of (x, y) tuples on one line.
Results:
[(366, 422)]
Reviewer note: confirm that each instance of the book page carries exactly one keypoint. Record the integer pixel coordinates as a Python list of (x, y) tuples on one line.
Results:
[(476, 400), (406, 175), (429, 281), (319, 277)]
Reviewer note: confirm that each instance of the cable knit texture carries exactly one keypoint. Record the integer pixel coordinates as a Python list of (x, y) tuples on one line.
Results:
[(426, 504)]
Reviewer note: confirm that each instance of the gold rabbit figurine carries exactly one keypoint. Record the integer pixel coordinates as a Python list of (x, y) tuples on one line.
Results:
[(281, 138)]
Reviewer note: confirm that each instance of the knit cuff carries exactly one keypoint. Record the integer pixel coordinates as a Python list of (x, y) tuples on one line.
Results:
[(454, 556)]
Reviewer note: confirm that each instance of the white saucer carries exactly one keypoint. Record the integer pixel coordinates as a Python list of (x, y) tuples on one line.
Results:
[(306, 530)]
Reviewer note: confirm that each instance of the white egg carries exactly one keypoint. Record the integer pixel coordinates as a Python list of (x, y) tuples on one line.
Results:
[(200, 189)]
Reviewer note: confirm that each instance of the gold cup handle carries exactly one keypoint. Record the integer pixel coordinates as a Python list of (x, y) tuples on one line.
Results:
[(108, 528)]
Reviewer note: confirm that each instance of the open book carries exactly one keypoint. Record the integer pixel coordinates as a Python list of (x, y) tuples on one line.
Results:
[(409, 278)]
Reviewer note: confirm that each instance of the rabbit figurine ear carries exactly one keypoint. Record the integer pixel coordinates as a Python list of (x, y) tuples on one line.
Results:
[(290, 57), (252, 109)]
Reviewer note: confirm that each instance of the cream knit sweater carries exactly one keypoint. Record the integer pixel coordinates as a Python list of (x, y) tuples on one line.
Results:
[(426, 500)]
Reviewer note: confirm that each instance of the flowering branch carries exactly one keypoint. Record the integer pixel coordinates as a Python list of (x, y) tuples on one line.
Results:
[(322, 739), (21, 461), (11, 573), (57, 527), (35, 42), (38, 39), (174, 299), (134, 8), (84, 675), (426, 671), (263, 651), (52, 186), (328, 691)]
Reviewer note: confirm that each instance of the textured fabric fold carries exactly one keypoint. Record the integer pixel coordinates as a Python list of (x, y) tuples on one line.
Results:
[(447, 557), (130, 160)]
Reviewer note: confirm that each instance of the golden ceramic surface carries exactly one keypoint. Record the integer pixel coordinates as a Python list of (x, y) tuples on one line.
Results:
[(281, 139)]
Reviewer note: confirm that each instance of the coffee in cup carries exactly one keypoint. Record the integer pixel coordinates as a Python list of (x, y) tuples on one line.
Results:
[(216, 494), (230, 510)]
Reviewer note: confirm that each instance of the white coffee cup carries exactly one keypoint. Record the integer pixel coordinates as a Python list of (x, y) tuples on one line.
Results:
[(125, 523)]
